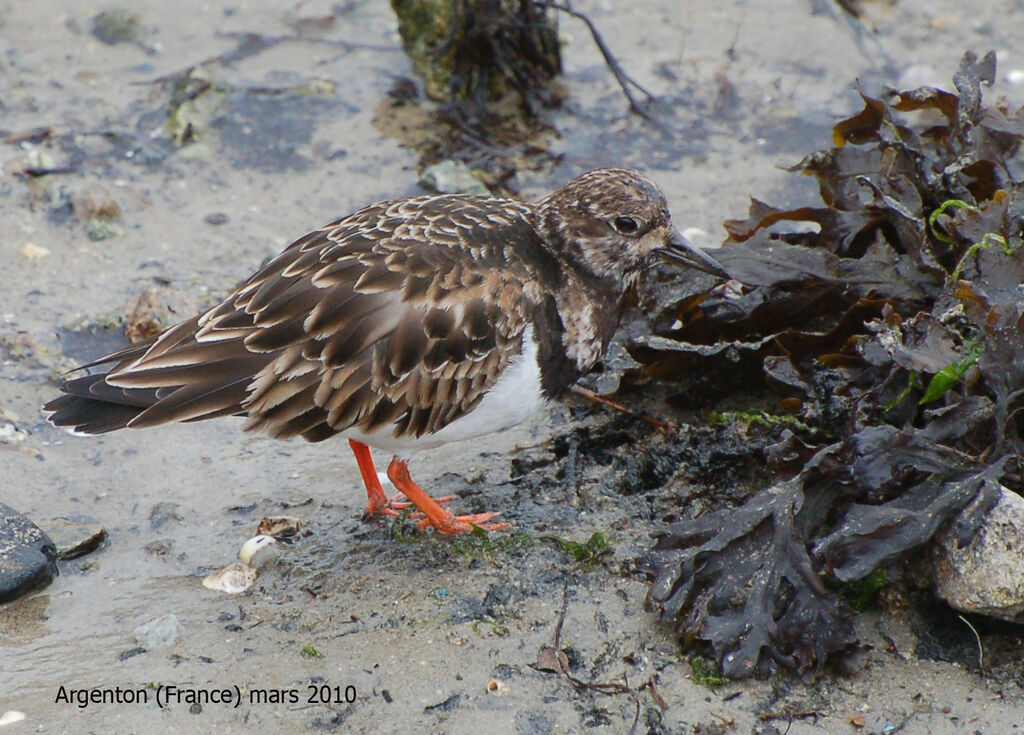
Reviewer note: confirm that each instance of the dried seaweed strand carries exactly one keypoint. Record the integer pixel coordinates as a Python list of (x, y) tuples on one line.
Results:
[(665, 427)]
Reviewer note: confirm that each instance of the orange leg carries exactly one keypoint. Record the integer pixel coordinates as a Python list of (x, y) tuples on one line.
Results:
[(379, 503), (442, 520)]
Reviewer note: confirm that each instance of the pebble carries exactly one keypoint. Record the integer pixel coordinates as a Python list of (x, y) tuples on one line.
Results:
[(11, 434), (216, 218), (987, 575), (27, 555), (159, 633), (101, 228), (161, 513), (92, 200), (452, 177), (73, 539), (32, 251), (116, 25)]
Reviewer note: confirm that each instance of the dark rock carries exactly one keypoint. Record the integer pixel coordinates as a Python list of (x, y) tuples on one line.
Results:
[(216, 218), (27, 555)]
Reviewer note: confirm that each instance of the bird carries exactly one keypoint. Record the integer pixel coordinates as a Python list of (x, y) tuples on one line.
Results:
[(405, 326)]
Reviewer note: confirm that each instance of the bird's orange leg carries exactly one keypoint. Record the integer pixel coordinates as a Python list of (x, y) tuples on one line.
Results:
[(379, 503), (442, 520)]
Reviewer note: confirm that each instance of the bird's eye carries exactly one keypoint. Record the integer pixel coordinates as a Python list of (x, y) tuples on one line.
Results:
[(625, 225)]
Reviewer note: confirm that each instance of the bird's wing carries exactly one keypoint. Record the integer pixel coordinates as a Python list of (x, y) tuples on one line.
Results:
[(402, 315)]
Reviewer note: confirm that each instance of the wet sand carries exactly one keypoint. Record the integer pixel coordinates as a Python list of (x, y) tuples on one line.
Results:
[(429, 636)]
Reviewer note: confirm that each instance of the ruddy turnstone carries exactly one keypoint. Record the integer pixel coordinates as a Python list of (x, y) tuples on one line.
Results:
[(404, 326)]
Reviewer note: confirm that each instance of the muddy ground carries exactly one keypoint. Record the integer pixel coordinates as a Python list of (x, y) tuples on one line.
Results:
[(430, 635)]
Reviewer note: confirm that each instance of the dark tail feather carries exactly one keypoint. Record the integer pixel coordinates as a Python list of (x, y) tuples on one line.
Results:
[(89, 416), (90, 406)]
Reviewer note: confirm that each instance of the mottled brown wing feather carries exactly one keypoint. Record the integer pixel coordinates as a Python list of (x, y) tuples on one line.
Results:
[(399, 317)]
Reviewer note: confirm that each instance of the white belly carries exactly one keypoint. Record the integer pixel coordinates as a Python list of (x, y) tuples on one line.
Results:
[(515, 397)]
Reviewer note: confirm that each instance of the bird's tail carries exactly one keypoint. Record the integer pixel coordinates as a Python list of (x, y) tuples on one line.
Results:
[(91, 406)]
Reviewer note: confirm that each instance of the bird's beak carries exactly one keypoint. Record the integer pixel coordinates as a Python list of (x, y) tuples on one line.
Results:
[(678, 249)]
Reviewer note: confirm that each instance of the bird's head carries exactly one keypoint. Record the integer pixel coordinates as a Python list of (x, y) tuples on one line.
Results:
[(611, 222)]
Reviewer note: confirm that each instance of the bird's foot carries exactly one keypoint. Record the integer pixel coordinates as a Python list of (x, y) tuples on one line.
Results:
[(431, 514), (461, 524), (393, 506)]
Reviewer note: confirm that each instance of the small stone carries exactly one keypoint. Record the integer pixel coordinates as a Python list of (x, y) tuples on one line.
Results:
[(216, 218), (116, 25), (130, 653), (39, 160), (987, 575), (92, 200), (1015, 76), (11, 434), (101, 228), (27, 555), (73, 539), (160, 547), (156, 309), (161, 513), (159, 633), (452, 177), (34, 252)]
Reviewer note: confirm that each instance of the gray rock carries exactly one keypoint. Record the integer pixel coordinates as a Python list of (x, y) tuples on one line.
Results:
[(159, 633), (73, 539), (27, 555), (452, 177), (987, 575), (163, 512)]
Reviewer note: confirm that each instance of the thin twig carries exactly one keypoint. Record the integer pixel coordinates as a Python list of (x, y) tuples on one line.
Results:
[(788, 715), (624, 80), (611, 687), (561, 615)]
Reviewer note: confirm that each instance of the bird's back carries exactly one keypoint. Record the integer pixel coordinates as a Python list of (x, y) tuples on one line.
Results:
[(396, 319)]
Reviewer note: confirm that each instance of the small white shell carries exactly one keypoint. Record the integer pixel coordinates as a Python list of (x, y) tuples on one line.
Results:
[(234, 578), (498, 688), (11, 716), (253, 546)]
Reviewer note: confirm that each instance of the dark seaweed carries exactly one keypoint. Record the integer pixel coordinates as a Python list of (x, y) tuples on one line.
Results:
[(903, 288)]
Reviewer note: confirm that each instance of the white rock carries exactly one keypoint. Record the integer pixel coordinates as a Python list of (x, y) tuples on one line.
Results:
[(158, 633), (987, 575), (452, 177)]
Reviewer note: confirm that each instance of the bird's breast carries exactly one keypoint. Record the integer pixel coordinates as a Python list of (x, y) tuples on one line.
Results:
[(515, 397)]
